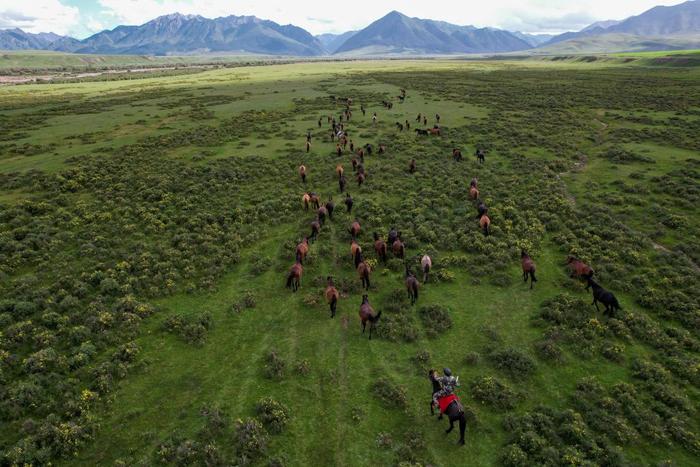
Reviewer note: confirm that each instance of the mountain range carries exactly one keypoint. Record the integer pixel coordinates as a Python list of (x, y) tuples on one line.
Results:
[(395, 33)]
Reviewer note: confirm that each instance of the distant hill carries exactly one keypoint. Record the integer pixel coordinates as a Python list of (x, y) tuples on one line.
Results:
[(661, 23), (331, 42), (178, 34), (535, 40), (397, 33), (16, 39), (612, 43)]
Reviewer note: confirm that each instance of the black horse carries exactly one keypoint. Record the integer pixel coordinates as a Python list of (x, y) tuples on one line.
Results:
[(605, 297), (481, 209), (480, 155), (455, 411)]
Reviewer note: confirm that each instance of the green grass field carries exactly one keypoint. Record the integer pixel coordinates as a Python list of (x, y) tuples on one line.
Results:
[(146, 229)]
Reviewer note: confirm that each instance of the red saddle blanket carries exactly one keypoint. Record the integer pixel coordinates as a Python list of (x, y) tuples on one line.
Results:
[(445, 402)]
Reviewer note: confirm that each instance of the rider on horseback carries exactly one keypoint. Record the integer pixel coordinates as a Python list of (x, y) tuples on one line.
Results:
[(448, 384)]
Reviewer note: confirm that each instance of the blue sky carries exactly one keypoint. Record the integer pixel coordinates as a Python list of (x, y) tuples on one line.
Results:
[(81, 18)]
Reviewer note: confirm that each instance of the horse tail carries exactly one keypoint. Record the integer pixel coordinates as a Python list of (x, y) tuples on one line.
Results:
[(290, 278), (486, 230), (375, 318), (415, 290), (334, 301), (532, 275)]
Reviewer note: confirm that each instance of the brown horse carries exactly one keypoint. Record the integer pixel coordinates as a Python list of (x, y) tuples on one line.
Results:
[(355, 252), (485, 223), (435, 131), (322, 213), (411, 286), (382, 148), (330, 207), (353, 161), (315, 229), (363, 270), (474, 183), (342, 181), (412, 166), (315, 200), (380, 247), (306, 199), (426, 264), (360, 179), (303, 249), (367, 314), (578, 268), (473, 193), (302, 173), (528, 268), (294, 275), (398, 247), (355, 229), (456, 155), (339, 170), (332, 296)]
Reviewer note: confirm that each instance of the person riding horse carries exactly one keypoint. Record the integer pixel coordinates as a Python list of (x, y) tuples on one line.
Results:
[(448, 384)]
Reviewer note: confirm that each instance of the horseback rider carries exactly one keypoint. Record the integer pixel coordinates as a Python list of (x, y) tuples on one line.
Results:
[(448, 384)]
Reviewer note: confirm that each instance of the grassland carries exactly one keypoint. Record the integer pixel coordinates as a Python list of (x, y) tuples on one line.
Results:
[(146, 228)]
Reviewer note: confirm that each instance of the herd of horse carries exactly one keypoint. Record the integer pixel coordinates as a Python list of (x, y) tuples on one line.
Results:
[(394, 242)]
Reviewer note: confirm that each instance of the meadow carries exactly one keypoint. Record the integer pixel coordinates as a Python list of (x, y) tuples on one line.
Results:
[(147, 226)]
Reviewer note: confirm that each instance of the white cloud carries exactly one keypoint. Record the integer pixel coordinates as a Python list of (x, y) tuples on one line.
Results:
[(38, 15)]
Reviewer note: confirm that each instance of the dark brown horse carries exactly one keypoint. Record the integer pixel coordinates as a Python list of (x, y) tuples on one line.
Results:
[(382, 148), (360, 179), (367, 314), (302, 173), (605, 297), (303, 249), (315, 200), (435, 131), (363, 270), (315, 229), (454, 411), (355, 229), (411, 286), (578, 268), (380, 247), (342, 182), (294, 275), (330, 207), (355, 252), (322, 213), (473, 193), (528, 268), (398, 247), (456, 155), (412, 166), (332, 295)]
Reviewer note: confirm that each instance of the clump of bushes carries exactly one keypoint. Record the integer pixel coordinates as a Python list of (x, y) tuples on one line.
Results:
[(275, 366), (436, 319), (512, 362), (192, 328), (390, 393), (250, 439), (245, 302), (489, 390), (273, 415)]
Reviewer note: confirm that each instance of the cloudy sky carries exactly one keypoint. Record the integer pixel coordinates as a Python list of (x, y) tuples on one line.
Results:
[(81, 18)]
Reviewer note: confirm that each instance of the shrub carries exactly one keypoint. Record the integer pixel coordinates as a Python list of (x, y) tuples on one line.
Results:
[(390, 393), (548, 349), (275, 366), (250, 441), (273, 415), (436, 319), (514, 363), (472, 358), (489, 390)]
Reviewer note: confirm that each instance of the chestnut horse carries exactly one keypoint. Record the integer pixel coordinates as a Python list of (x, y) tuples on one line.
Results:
[(355, 229), (355, 252), (456, 155), (315, 229), (485, 223), (306, 199), (339, 170), (322, 213), (398, 247), (380, 247), (412, 166), (302, 173), (303, 249), (474, 183), (315, 200), (411, 286), (473, 193), (426, 264), (332, 296), (294, 275), (363, 270), (578, 268), (435, 131), (367, 314), (360, 179), (528, 268)]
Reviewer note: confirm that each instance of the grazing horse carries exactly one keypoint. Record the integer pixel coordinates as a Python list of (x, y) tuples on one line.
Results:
[(605, 297), (355, 252), (578, 268), (330, 207), (411, 286), (528, 268), (294, 275), (303, 249), (342, 181), (412, 166), (348, 202), (339, 170), (456, 155), (331, 295), (454, 411), (480, 155), (367, 314), (322, 213), (426, 264), (481, 209), (473, 193), (421, 132), (306, 199), (363, 271), (355, 229), (398, 247), (302, 173), (485, 223), (315, 200), (380, 247), (435, 131), (315, 229), (360, 179)]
